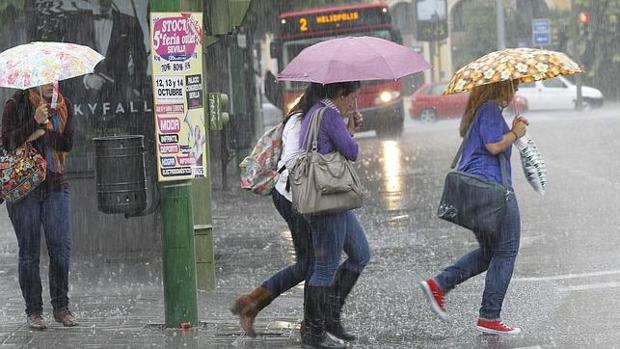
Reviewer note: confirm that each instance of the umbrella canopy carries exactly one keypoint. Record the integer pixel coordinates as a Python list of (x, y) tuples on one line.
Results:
[(523, 64), (353, 59), (40, 63)]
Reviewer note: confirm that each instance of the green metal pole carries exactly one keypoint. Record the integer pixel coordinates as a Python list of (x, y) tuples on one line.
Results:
[(203, 222), (203, 228), (178, 246), (239, 94), (178, 256)]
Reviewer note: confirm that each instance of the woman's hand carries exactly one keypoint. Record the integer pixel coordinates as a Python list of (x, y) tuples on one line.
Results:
[(520, 118), (41, 114), (356, 122), (519, 126), (36, 135)]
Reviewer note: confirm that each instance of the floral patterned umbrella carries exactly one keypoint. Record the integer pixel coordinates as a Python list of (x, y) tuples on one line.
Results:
[(40, 63), (523, 64)]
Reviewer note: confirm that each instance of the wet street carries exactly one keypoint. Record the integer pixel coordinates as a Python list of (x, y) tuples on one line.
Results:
[(563, 293)]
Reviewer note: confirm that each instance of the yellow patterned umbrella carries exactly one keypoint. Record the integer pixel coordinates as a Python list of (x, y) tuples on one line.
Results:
[(523, 64)]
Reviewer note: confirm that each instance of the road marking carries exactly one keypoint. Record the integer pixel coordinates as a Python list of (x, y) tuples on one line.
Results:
[(397, 218), (589, 286), (566, 276)]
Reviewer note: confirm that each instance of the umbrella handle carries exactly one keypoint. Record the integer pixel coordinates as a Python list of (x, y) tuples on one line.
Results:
[(514, 95), (41, 96), (55, 94)]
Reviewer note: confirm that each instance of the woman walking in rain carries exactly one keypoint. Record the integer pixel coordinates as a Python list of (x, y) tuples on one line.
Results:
[(489, 138), (28, 117), (331, 282), (248, 306)]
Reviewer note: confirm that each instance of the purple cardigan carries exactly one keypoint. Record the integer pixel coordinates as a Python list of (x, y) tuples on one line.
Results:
[(333, 133)]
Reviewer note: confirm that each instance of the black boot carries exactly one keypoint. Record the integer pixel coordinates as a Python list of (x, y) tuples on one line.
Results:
[(314, 335), (344, 282)]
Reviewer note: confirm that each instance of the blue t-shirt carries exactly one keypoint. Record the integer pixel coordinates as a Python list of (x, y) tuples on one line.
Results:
[(489, 127)]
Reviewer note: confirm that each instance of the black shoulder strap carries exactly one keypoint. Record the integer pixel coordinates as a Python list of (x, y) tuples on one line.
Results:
[(289, 116)]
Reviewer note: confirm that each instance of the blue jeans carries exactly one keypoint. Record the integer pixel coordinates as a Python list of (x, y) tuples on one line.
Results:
[(51, 211), (497, 254), (302, 242), (332, 234)]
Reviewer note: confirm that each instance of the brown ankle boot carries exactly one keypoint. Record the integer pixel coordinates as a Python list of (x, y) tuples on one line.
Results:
[(248, 306)]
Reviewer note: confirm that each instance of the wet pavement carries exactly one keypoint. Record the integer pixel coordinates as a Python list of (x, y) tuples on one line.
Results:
[(563, 293)]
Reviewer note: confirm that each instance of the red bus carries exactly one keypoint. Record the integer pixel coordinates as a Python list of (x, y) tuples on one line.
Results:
[(381, 102)]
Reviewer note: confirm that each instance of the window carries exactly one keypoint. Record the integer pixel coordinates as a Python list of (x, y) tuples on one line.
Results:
[(554, 83), (527, 85), (437, 90)]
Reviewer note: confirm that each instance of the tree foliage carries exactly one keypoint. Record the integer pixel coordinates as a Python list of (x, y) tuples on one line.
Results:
[(601, 53), (519, 20), (480, 32), (480, 22)]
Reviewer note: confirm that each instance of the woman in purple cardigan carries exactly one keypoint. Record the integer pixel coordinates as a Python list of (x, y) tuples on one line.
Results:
[(332, 281)]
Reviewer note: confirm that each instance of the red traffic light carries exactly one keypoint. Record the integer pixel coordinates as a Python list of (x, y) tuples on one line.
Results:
[(583, 17)]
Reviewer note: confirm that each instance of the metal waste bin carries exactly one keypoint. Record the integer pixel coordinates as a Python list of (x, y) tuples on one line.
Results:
[(121, 177)]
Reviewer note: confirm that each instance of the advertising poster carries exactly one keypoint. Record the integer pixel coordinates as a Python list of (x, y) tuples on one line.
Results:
[(116, 99), (178, 95)]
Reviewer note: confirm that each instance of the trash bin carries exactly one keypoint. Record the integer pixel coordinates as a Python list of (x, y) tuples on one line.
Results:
[(121, 178)]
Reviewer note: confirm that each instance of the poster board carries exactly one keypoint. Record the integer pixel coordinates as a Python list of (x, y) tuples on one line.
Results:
[(176, 60)]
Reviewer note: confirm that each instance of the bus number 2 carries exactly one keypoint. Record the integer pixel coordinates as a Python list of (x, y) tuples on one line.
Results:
[(303, 24)]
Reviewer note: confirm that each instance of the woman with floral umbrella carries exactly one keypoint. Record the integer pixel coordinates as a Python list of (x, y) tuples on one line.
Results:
[(40, 116), (492, 82)]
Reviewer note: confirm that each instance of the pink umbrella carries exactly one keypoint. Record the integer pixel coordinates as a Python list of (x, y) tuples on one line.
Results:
[(353, 59)]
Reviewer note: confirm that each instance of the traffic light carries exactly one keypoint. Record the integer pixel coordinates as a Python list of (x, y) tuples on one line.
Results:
[(218, 110), (583, 17)]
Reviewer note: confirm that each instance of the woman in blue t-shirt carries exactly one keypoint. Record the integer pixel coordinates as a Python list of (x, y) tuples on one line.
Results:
[(490, 138)]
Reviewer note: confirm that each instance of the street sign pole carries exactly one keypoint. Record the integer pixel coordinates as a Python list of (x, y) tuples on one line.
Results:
[(580, 48), (431, 45), (579, 101)]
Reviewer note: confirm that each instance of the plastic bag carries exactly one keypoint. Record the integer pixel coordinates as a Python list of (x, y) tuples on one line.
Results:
[(534, 166)]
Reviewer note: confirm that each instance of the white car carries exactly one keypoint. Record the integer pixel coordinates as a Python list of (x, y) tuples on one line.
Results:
[(558, 93)]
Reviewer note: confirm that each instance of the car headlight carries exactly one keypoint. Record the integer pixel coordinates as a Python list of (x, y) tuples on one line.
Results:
[(386, 97)]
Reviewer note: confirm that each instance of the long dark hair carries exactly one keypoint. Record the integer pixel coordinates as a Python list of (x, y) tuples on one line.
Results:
[(315, 92), (502, 92)]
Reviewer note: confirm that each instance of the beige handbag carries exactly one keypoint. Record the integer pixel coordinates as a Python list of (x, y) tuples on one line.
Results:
[(323, 183)]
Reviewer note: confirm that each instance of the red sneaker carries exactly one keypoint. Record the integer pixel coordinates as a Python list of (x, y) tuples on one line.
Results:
[(435, 297), (496, 327)]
